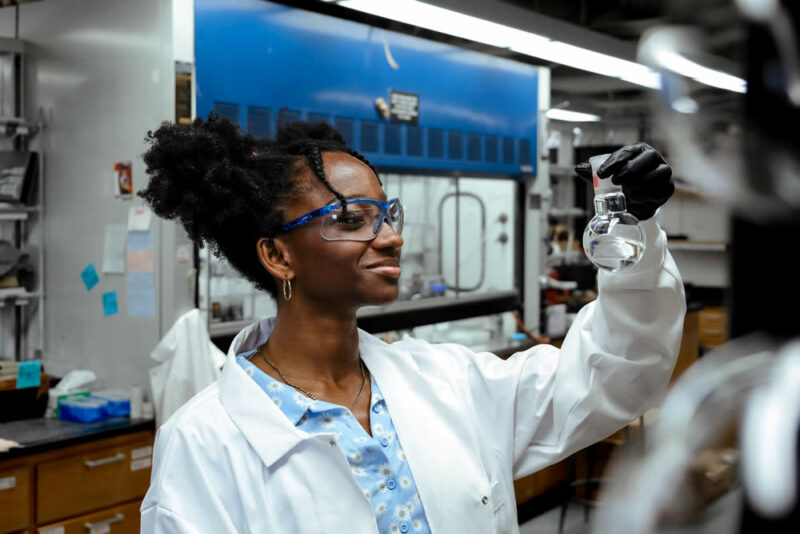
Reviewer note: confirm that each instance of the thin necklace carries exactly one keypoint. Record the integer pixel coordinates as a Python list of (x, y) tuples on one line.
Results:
[(305, 391)]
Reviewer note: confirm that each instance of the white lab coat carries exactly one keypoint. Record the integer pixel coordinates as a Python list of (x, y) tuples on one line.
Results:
[(187, 362), (230, 461)]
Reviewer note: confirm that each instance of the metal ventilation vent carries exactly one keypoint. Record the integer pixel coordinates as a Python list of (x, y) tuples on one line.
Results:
[(455, 145), (473, 147), (259, 121), (369, 136), (285, 116), (508, 150), (435, 143), (228, 110), (393, 138), (491, 149), (317, 117), (414, 141), (346, 127), (524, 151)]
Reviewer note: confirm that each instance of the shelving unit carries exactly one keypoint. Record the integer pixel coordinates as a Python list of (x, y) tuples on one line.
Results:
[(21, 224), (697, 246)]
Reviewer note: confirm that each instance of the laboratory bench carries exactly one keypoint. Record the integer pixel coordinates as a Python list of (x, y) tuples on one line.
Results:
[(72, 477)]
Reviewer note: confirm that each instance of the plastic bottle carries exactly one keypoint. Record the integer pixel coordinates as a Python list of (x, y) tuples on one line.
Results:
[(614, 239)]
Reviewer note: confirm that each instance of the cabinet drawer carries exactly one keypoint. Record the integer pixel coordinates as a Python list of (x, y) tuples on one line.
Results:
[(15, 505), (90, 481), (117, 520)]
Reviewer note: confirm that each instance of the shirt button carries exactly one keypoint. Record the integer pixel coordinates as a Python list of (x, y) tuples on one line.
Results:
[(376, 409), (404, 527), (391, 483), (385, 441), (485, 500)]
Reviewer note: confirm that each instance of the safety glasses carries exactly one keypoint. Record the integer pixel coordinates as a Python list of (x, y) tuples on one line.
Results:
[(361, 221)]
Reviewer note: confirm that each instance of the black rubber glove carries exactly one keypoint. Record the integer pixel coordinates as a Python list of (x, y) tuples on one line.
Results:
[(645, 177)]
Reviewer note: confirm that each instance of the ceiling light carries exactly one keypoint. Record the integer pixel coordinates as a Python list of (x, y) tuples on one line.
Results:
[(685, 67), (685, 105), (571, 116), (483, 31)]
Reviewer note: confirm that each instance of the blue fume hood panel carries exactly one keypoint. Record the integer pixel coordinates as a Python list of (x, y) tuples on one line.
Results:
[(262, 64)]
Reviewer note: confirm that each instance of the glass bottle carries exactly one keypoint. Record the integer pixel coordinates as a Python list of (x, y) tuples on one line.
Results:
[(614, 239)]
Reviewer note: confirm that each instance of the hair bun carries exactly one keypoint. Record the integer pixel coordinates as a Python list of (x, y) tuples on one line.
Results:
[(309, 131)]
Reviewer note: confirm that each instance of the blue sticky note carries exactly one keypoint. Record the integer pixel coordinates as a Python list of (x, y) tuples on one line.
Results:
[(141, 294), (140, 240), (110, 306), (29, 374), (89, 275)]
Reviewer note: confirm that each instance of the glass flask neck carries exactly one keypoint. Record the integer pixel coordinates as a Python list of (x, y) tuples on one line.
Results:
[(609, 203)]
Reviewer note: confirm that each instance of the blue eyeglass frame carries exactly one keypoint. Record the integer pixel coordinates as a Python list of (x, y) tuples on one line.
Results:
[(324, 210)]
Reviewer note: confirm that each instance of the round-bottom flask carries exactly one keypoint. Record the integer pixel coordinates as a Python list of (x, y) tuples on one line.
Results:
[(614, 239)]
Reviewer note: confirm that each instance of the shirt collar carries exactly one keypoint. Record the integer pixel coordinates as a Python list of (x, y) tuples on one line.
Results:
[(290, 401)]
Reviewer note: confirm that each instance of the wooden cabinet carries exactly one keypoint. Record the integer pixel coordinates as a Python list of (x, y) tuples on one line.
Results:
[(15, 503), (92, 480), (713, 327), (92, 487), (115, 520)]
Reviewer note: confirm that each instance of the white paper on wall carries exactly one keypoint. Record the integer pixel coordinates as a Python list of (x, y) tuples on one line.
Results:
[(114, 249)]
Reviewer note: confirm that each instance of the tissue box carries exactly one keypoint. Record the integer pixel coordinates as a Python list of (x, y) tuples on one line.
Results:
[(83, 409), (56, 400), (119, 402)]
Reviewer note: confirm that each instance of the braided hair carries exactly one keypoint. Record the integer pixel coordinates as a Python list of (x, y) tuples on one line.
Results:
[(228, 188)]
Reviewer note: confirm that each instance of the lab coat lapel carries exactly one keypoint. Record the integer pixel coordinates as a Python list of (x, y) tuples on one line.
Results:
[(264, 426), (432, 430)]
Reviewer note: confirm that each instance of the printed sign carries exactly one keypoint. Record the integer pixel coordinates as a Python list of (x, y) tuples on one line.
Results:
[(8, 483), (404, 107)]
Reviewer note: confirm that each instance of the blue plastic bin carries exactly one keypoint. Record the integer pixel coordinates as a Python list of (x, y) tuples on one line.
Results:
[(83, 409)]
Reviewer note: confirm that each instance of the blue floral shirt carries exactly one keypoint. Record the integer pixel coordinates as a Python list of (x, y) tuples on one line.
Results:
[(378, 463)]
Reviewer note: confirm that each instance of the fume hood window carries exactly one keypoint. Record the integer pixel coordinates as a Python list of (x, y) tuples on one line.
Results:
[(458, 236)]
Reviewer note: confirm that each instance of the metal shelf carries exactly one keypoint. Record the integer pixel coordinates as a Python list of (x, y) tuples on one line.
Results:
[(557, 170), (10, 212), (17, 296), (698, 246), (567, 212), (576, 257), (13, 126), (227, 328)]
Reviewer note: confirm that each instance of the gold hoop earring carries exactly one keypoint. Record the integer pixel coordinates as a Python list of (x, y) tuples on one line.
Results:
[(287, 290)]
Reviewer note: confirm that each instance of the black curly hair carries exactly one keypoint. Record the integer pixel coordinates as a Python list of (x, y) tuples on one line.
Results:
[(228, 188)]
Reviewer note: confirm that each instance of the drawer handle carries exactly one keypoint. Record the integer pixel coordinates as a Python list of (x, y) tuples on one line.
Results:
[(116, 519), (103, 461)]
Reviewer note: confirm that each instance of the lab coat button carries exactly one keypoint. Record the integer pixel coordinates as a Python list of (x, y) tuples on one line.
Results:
[(404, 527), (391, 483), (485, 500), (385, 441)]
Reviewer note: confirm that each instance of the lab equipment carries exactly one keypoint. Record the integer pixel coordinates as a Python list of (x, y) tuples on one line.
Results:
[(137, 398), (613, 239), (715, 449), (83, 409), (119, 402)]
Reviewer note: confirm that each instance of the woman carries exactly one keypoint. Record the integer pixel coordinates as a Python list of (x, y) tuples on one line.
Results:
[(315, 426)]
